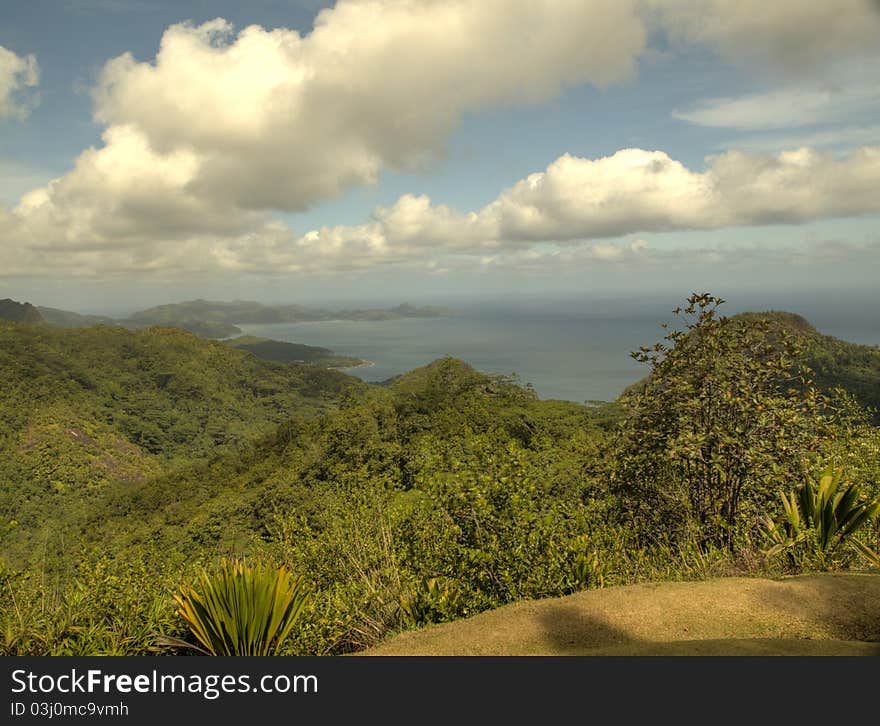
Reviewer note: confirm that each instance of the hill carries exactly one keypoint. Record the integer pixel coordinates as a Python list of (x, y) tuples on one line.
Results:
[(17, 312), (283, 352), (248, 312), (807, 615), (128, 459), (379, 443), (85, 408), (835, 363), (67, 319)]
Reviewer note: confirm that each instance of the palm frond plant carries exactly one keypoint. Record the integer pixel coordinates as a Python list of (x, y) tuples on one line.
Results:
[(241, 609), (821, 516)]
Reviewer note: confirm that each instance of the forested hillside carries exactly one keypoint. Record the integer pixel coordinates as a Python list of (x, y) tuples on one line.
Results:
[(68, 319), (833, 362), (283, 352), (132, 459), (87, 407), (17, 312)]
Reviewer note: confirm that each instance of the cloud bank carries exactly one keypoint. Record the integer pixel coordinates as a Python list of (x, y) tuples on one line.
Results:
[(222, 128), (572, 202)]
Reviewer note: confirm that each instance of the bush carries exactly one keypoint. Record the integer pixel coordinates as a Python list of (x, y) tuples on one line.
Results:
[(723, 415)]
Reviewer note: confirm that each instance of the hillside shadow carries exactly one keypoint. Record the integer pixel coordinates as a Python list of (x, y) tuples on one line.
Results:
[(567, 629)]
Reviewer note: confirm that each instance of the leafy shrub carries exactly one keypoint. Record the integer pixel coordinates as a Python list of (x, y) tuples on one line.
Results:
[(724, 412), (432, 600)]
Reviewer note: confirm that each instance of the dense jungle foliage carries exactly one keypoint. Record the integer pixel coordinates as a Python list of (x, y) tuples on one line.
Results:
[(130, 461)]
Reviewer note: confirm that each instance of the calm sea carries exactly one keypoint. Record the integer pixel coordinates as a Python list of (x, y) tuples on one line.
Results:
[(577, 351)]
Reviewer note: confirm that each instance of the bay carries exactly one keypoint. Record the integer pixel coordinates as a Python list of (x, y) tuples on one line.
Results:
[(571, 350), (565, 357)]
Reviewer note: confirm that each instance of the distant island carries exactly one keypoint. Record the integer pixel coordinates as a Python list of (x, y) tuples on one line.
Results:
[(213, 319), (220, 320)]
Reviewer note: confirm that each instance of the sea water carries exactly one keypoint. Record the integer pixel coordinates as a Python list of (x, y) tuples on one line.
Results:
[(573, 350)]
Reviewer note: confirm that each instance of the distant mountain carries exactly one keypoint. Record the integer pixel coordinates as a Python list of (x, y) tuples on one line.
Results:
[(242, 312), (67, 319), (212, 319), (19, 312), (203, 328)]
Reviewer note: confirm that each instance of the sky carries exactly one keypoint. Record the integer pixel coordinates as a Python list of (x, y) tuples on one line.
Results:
[(425, 150)]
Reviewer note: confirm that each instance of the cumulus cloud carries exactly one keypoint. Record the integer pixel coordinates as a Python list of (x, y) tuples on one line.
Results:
[(575, 204), (19, 75), (124, 194), (279, 120), (636, 190), (204, 141)]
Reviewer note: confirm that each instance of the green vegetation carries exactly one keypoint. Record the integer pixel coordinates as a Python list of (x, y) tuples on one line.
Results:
[(835, 364), (132, 461), (19, 312), (723, 420), (67, 319), (823, 516), (282, 352), (86, 411), (239, 609)]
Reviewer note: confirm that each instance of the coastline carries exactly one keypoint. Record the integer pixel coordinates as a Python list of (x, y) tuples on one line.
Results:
[(362, 364)]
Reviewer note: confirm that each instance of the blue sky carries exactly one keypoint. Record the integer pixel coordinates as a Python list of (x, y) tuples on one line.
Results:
[(426, 149)]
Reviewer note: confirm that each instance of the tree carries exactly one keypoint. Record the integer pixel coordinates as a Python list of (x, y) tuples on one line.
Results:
[(723, 418)]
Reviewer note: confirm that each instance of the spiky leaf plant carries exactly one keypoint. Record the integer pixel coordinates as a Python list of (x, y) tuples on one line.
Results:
[(823, 515), (242, 609)]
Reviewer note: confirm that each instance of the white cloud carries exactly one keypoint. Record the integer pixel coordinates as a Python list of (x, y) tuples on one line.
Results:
[(636, 190), (124, 194), (784, 108), (17, 178), (795, 36), (577, 198), (280, 121), (221, 128), (844, 137), (576, 208), (18, 76), (846, 93)]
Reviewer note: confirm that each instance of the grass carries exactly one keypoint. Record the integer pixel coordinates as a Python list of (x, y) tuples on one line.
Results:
[(806, 615)]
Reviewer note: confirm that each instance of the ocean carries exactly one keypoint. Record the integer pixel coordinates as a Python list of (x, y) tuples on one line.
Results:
[(571, 350)]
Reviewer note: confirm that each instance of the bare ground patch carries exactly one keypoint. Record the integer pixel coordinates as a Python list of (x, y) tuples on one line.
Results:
[(830, 614)]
